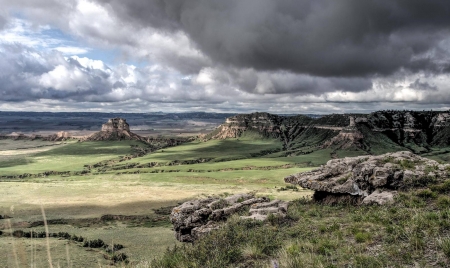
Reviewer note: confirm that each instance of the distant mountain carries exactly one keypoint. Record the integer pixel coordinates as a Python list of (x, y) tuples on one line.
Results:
[(374, 133)]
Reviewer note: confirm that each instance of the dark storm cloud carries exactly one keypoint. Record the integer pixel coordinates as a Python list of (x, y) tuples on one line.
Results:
[(320, 37), (422, 85)]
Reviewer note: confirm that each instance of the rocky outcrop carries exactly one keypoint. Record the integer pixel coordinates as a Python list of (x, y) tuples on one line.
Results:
[(115, 129), (116, 124), (195, 218), (60, 136), (369, 179), (417, 131)]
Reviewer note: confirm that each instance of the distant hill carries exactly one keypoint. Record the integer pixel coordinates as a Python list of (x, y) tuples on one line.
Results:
[(374, 133), (113, 130)]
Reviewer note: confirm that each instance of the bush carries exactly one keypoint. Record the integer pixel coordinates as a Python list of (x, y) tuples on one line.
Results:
[(445, 246), (443, 202), (442, 188), (119, 257), (97, 243), (362, 237), (18, 233), (219, 204), (426, 194)]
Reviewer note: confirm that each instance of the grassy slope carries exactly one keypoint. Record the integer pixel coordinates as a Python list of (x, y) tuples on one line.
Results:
[(219, 149), (131, 194), (69, 157), (414, 232)]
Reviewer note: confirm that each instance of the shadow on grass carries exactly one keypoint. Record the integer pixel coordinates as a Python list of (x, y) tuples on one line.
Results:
[(15, 162)]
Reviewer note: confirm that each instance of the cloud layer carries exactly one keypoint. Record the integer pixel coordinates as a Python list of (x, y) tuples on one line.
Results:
[(239, 55)]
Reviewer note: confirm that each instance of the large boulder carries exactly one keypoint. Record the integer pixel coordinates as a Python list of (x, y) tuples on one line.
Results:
[(369, 179), (195, 218)]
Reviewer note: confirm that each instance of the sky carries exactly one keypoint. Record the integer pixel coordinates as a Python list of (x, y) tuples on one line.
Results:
[(284, 56)]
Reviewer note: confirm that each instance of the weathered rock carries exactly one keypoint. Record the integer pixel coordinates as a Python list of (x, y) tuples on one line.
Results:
[(116, 124), (60, 136), (115, 129), (380, 198), (369, 179), (196, 218)]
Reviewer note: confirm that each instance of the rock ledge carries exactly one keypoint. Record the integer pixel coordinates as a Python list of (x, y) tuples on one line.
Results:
[(195, 218), (369, 179)]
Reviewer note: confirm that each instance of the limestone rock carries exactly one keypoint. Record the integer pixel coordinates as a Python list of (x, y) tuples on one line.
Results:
[(195, 218), (369, 179)]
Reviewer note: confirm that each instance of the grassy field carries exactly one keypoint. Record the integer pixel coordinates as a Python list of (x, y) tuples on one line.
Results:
[(232, 166), (65, 157), (139, 187)]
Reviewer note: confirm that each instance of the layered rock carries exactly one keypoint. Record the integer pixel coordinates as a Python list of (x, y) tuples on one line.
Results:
[(115, 129), (195, 218), (60, 136), (369, 179), (116, 124)]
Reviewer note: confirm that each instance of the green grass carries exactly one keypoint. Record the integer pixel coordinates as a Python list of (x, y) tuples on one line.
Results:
[(69, 157), (313, 235), (220, 150)]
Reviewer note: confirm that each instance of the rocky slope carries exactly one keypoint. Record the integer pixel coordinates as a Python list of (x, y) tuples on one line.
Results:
[(370, 179), (373, 133)]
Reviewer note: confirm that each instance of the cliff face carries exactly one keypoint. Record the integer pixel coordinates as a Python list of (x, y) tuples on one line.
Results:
[(413, 130), (116, 124)]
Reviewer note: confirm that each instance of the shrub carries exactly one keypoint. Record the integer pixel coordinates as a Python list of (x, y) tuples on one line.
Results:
[(362, 237), (219, 204), (119, 257), (443, 202), (442, 188), (445, 246), (97, 243), (426, 194), (325, 248), (406, 164), (18, 233)]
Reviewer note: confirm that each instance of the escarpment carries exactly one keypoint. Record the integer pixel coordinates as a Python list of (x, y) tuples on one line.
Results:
[(381, 131)]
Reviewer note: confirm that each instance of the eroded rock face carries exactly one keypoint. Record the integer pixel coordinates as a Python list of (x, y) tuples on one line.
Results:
[(116, 124), (115, 129), (369, 179), (196, 218), (60, 136)]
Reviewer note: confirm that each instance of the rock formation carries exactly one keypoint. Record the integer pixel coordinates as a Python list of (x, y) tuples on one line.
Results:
[(195, 218), (60, 136), (116, 124), (416, 131), (369, 179), (115, 129)]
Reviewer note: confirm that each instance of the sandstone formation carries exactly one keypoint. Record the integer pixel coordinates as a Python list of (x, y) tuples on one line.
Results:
[(115, 129), (60, 136), (116, 124), (416, 131), (369, 179), (195, 218)]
